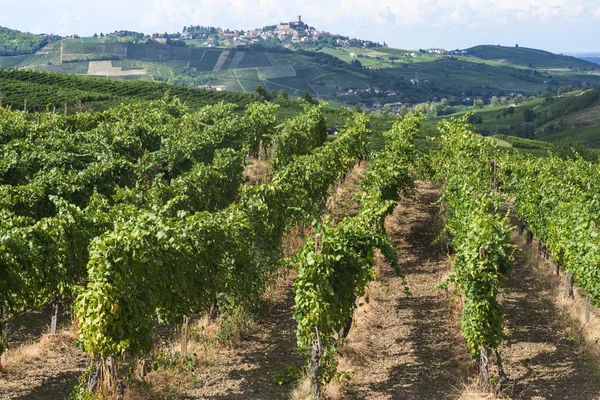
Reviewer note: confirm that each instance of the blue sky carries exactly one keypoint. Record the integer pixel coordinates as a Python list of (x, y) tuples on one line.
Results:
[(556, 25)]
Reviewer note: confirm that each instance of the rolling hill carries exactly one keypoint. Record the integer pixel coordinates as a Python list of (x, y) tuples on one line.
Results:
[(353, 75), (572, 117), (526, 57)]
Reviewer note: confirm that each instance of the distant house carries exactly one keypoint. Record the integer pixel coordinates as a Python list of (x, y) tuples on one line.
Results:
[(217, 88), (75, 37), (436, 51), (353, 55)]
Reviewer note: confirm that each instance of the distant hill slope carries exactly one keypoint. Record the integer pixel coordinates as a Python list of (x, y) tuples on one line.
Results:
[(37, 91), (372, 76), (13, 42), (528, 57), (573, 117)]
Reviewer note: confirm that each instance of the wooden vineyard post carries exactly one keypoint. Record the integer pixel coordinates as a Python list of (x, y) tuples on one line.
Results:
[(1, 331), (184, 335), (494, 173), (54, 317), (140, 369), (315, 359), (553, 267), (569, 280), (25, 105), (1, 98), (95, 378), (588, 308), (65, 109), (213, 312), (484, 372), (502, 378), (529, 237)]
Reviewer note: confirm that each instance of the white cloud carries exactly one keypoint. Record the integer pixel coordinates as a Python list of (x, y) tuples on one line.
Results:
[(406, 21), (353, 13)]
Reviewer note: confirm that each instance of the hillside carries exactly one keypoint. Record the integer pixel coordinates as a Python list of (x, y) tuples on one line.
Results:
[(572, 117), (526, 57), (41, 90), (372, 76), (13, 42)]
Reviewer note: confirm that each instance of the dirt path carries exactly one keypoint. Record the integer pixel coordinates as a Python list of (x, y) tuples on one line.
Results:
[(411, 350), (246, 371), (544, 358)]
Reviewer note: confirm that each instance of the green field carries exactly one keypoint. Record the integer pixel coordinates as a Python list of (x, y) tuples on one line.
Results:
[(254, 59), (203, 65)]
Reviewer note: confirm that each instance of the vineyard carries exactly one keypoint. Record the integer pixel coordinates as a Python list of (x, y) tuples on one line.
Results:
[(143, 221), (42, 91)]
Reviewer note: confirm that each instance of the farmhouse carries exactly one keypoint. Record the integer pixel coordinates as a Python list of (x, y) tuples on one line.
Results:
[(436, 51), (218, 88)]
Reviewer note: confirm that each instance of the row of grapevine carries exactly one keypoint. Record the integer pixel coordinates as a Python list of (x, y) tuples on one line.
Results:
[(558, 200), (174, 266), (334, 269), (479, 237), (66, 180), (49, 89)]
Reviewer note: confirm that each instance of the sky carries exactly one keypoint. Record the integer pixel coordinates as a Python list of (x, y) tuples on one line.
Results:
[(560, 26)]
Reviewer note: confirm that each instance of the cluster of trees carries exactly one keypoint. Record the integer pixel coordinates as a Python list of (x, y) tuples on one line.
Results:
[(199, 29), (13, 42), (125, 37), (435, 109)]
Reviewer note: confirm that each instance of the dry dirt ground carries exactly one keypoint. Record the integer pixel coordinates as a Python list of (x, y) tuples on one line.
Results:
[(545, 356), (37, 365), (408, 345)]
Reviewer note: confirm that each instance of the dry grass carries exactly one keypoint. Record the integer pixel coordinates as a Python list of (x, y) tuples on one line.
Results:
[(303, 389), (18, 361), (258, 171), (471, 391), (164, 383), (203, 345), (341, 199)]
